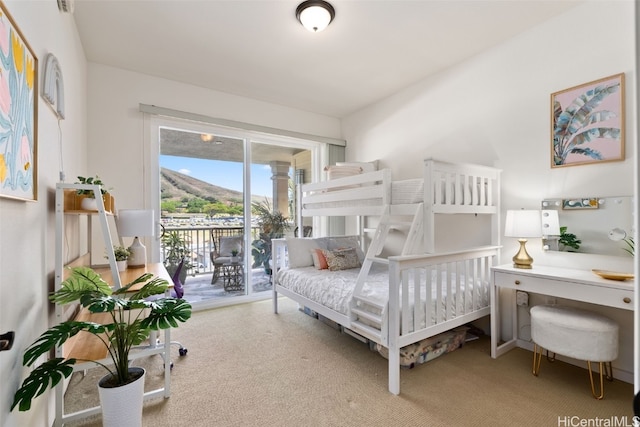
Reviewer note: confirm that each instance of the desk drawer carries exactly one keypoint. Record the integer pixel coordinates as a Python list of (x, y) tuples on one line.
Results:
[(577, 291)]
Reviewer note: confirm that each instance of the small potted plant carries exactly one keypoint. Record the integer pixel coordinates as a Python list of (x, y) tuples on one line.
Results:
[(122, 255), (86, 198), (132, 317), (234, 255)]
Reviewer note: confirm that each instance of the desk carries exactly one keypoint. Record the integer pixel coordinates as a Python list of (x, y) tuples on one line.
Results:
[(573, 284), (85, 346)]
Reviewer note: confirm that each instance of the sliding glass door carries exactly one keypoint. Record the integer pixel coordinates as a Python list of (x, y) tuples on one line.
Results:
[(222, 195)]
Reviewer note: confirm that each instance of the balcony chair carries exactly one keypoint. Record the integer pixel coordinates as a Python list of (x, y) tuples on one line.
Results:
[(221, 253)]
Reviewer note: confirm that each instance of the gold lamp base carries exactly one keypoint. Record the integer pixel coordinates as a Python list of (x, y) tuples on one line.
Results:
[(522, 259)]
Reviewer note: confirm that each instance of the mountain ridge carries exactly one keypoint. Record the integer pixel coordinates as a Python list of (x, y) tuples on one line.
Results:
[(178, 186)]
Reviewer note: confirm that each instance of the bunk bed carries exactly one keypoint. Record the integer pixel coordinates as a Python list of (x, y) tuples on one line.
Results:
[(399, 298)]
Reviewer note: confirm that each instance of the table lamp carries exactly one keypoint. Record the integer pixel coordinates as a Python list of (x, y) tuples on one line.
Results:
[(523, 224), (136, 223)]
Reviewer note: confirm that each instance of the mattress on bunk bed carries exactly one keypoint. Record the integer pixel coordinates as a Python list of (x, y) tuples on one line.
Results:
[(334, 289)]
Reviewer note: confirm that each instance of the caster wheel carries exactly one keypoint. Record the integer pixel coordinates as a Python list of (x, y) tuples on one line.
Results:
[(171, 365), (182, 352)]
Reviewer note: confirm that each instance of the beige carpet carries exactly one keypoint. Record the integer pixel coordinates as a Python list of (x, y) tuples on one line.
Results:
[(249, 367)]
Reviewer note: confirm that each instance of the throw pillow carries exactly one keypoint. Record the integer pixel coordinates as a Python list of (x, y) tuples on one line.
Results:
[(341, 259), (227, 244), (343, 242), (299, 250), (319, 260)]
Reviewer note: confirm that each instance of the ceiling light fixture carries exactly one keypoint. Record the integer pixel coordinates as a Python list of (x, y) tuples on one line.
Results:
[(315, 15)]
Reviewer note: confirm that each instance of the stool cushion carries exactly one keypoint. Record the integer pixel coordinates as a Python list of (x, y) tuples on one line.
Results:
[(573, 332)]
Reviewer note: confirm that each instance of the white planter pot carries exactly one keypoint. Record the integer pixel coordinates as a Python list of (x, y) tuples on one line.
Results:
[(89, 204), (122, 406), (122, 265), (235, 259)]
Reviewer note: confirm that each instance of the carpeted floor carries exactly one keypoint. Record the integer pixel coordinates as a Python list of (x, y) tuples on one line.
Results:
[(249, 367)]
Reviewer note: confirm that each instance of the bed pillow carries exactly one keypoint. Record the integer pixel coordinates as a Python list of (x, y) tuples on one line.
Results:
[(341, 259), (346, 242), (319, 260), (299, 250)]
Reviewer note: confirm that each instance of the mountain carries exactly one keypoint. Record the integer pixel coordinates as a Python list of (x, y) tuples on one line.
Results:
[(176, 186)]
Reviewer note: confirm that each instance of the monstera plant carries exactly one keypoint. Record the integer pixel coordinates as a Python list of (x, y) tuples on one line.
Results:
[(579, 124)]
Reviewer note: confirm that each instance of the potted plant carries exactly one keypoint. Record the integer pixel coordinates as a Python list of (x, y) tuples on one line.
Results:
[(273, 225), (87, 197), (132, 317), (175, 249), (122, 255), (234, 255), (568, 241)]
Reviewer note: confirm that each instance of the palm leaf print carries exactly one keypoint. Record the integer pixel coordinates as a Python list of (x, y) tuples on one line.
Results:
[(574, 126)]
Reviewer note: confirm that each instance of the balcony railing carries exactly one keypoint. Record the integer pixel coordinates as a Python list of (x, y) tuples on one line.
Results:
[(201, 242)]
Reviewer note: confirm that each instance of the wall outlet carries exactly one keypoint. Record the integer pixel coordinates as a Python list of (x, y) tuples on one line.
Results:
[(522, 298)]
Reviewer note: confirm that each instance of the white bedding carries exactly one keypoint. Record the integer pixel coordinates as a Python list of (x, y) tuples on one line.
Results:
[(333, 289)]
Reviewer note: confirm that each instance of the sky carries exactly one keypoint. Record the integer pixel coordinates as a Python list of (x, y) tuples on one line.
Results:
[(222, 174)]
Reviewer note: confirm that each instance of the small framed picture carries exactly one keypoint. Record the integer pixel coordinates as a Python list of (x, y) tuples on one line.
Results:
[(587, 123)]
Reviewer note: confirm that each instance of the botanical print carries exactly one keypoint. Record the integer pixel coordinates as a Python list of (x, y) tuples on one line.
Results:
[(18, 110), (588, 123)]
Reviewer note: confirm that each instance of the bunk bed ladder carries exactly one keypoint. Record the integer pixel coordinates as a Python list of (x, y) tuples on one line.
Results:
[(367, 315)]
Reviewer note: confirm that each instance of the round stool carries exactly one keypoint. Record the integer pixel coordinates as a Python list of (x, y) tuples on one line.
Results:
[(575, 333)]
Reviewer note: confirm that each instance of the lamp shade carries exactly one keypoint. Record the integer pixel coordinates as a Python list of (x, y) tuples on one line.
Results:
[(135, 223), (550, 223), (523, 224), (315, 15)]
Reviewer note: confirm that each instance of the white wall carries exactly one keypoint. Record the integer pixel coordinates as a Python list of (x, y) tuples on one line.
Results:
[(27, 228), (494, 109), (117, 132)]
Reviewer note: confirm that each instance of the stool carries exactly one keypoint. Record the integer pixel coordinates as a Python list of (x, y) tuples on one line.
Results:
[(575, 333)]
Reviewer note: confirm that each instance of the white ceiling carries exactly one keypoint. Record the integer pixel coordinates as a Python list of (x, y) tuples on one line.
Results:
[(257, 48)]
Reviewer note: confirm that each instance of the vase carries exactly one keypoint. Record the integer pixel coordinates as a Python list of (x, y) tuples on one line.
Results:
[(89, 204), (122, 265), (122, 405)]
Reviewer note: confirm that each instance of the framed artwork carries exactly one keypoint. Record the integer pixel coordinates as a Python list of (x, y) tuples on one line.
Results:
[(587, 123), (18, 112)]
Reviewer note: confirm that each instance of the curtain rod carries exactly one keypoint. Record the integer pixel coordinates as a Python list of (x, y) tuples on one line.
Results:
[(162, 111)]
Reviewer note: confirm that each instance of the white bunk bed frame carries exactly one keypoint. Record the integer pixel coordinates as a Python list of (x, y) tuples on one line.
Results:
[(448, 189)]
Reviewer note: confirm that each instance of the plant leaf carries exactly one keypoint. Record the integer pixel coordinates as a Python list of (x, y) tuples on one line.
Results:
[(81, 281), (56, 336), (166, 313), (49, 373)]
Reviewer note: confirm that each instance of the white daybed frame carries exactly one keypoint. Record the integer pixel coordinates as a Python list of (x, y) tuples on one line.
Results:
[(400, 322)]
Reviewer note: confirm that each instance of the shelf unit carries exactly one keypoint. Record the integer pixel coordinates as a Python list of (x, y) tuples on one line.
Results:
[(84, 348)]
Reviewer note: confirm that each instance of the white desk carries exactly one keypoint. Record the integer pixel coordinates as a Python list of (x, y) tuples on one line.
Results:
[(577, 285)]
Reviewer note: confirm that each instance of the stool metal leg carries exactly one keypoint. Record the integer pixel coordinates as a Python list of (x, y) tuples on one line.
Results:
[(593, 390), (551, 359), (537, 357), (608, 371)]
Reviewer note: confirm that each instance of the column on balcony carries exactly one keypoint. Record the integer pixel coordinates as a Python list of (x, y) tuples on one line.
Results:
[(280, 179)]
